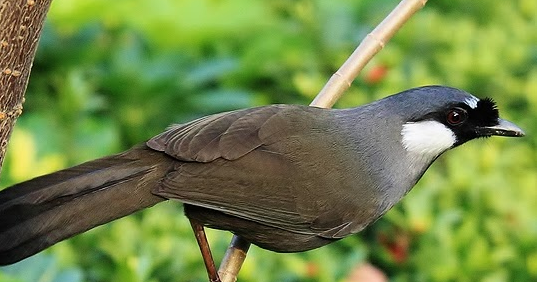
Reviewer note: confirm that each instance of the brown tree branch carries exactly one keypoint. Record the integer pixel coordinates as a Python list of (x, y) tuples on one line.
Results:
[(21, 22), (334, 88)]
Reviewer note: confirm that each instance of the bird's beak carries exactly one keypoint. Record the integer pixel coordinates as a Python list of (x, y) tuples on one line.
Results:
[(503, 128)]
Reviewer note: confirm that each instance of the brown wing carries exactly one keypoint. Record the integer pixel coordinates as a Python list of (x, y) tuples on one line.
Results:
[(228, 135), (257, 164)]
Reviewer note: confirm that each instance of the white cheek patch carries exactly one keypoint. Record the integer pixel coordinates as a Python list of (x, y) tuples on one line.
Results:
[(471, 101), (429, 138)]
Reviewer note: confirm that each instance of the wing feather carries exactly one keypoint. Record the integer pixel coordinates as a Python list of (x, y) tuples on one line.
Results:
[(252, 164), (228, 135)]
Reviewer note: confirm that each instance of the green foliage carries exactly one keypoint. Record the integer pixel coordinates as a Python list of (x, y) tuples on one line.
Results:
[(110, 74)]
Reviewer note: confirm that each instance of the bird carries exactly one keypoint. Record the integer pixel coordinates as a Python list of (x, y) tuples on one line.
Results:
[(287, 178)]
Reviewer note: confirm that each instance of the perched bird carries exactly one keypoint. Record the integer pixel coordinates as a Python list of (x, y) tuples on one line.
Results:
[(287, 178)]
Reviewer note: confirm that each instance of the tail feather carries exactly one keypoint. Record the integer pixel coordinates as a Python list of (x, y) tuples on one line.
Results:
[(43, 211)]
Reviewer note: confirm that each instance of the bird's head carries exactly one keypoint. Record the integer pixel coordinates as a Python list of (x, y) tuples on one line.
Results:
[(438, 118)]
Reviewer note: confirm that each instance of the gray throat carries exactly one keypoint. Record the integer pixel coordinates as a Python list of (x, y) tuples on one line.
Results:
[(380, 152)]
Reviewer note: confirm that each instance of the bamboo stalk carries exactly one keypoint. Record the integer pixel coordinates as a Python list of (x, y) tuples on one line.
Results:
[(233, 259), (331, 92), (369, 47)]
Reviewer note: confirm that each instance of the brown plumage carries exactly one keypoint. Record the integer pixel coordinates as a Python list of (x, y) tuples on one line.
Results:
[(286, 178)]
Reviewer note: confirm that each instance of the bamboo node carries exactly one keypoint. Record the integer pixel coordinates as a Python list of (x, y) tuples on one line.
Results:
[(377, 39), (343, 78)]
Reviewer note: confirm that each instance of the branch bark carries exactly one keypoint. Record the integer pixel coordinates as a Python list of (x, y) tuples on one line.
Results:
[(333, 89), (21, 22)]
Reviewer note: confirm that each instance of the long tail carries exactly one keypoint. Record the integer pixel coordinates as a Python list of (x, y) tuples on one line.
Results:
[(43, 211)]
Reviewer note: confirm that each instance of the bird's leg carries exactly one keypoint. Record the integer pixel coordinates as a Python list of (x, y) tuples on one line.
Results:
[(199, 232)]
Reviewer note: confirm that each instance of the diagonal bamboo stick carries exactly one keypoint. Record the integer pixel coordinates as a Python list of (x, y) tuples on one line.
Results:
[(331, 92), (369, 47)]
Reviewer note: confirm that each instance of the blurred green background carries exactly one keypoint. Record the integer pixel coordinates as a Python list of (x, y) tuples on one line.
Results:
[(110, 74)]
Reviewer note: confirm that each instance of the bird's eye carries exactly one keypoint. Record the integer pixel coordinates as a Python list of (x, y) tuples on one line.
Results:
[(456, 116)]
